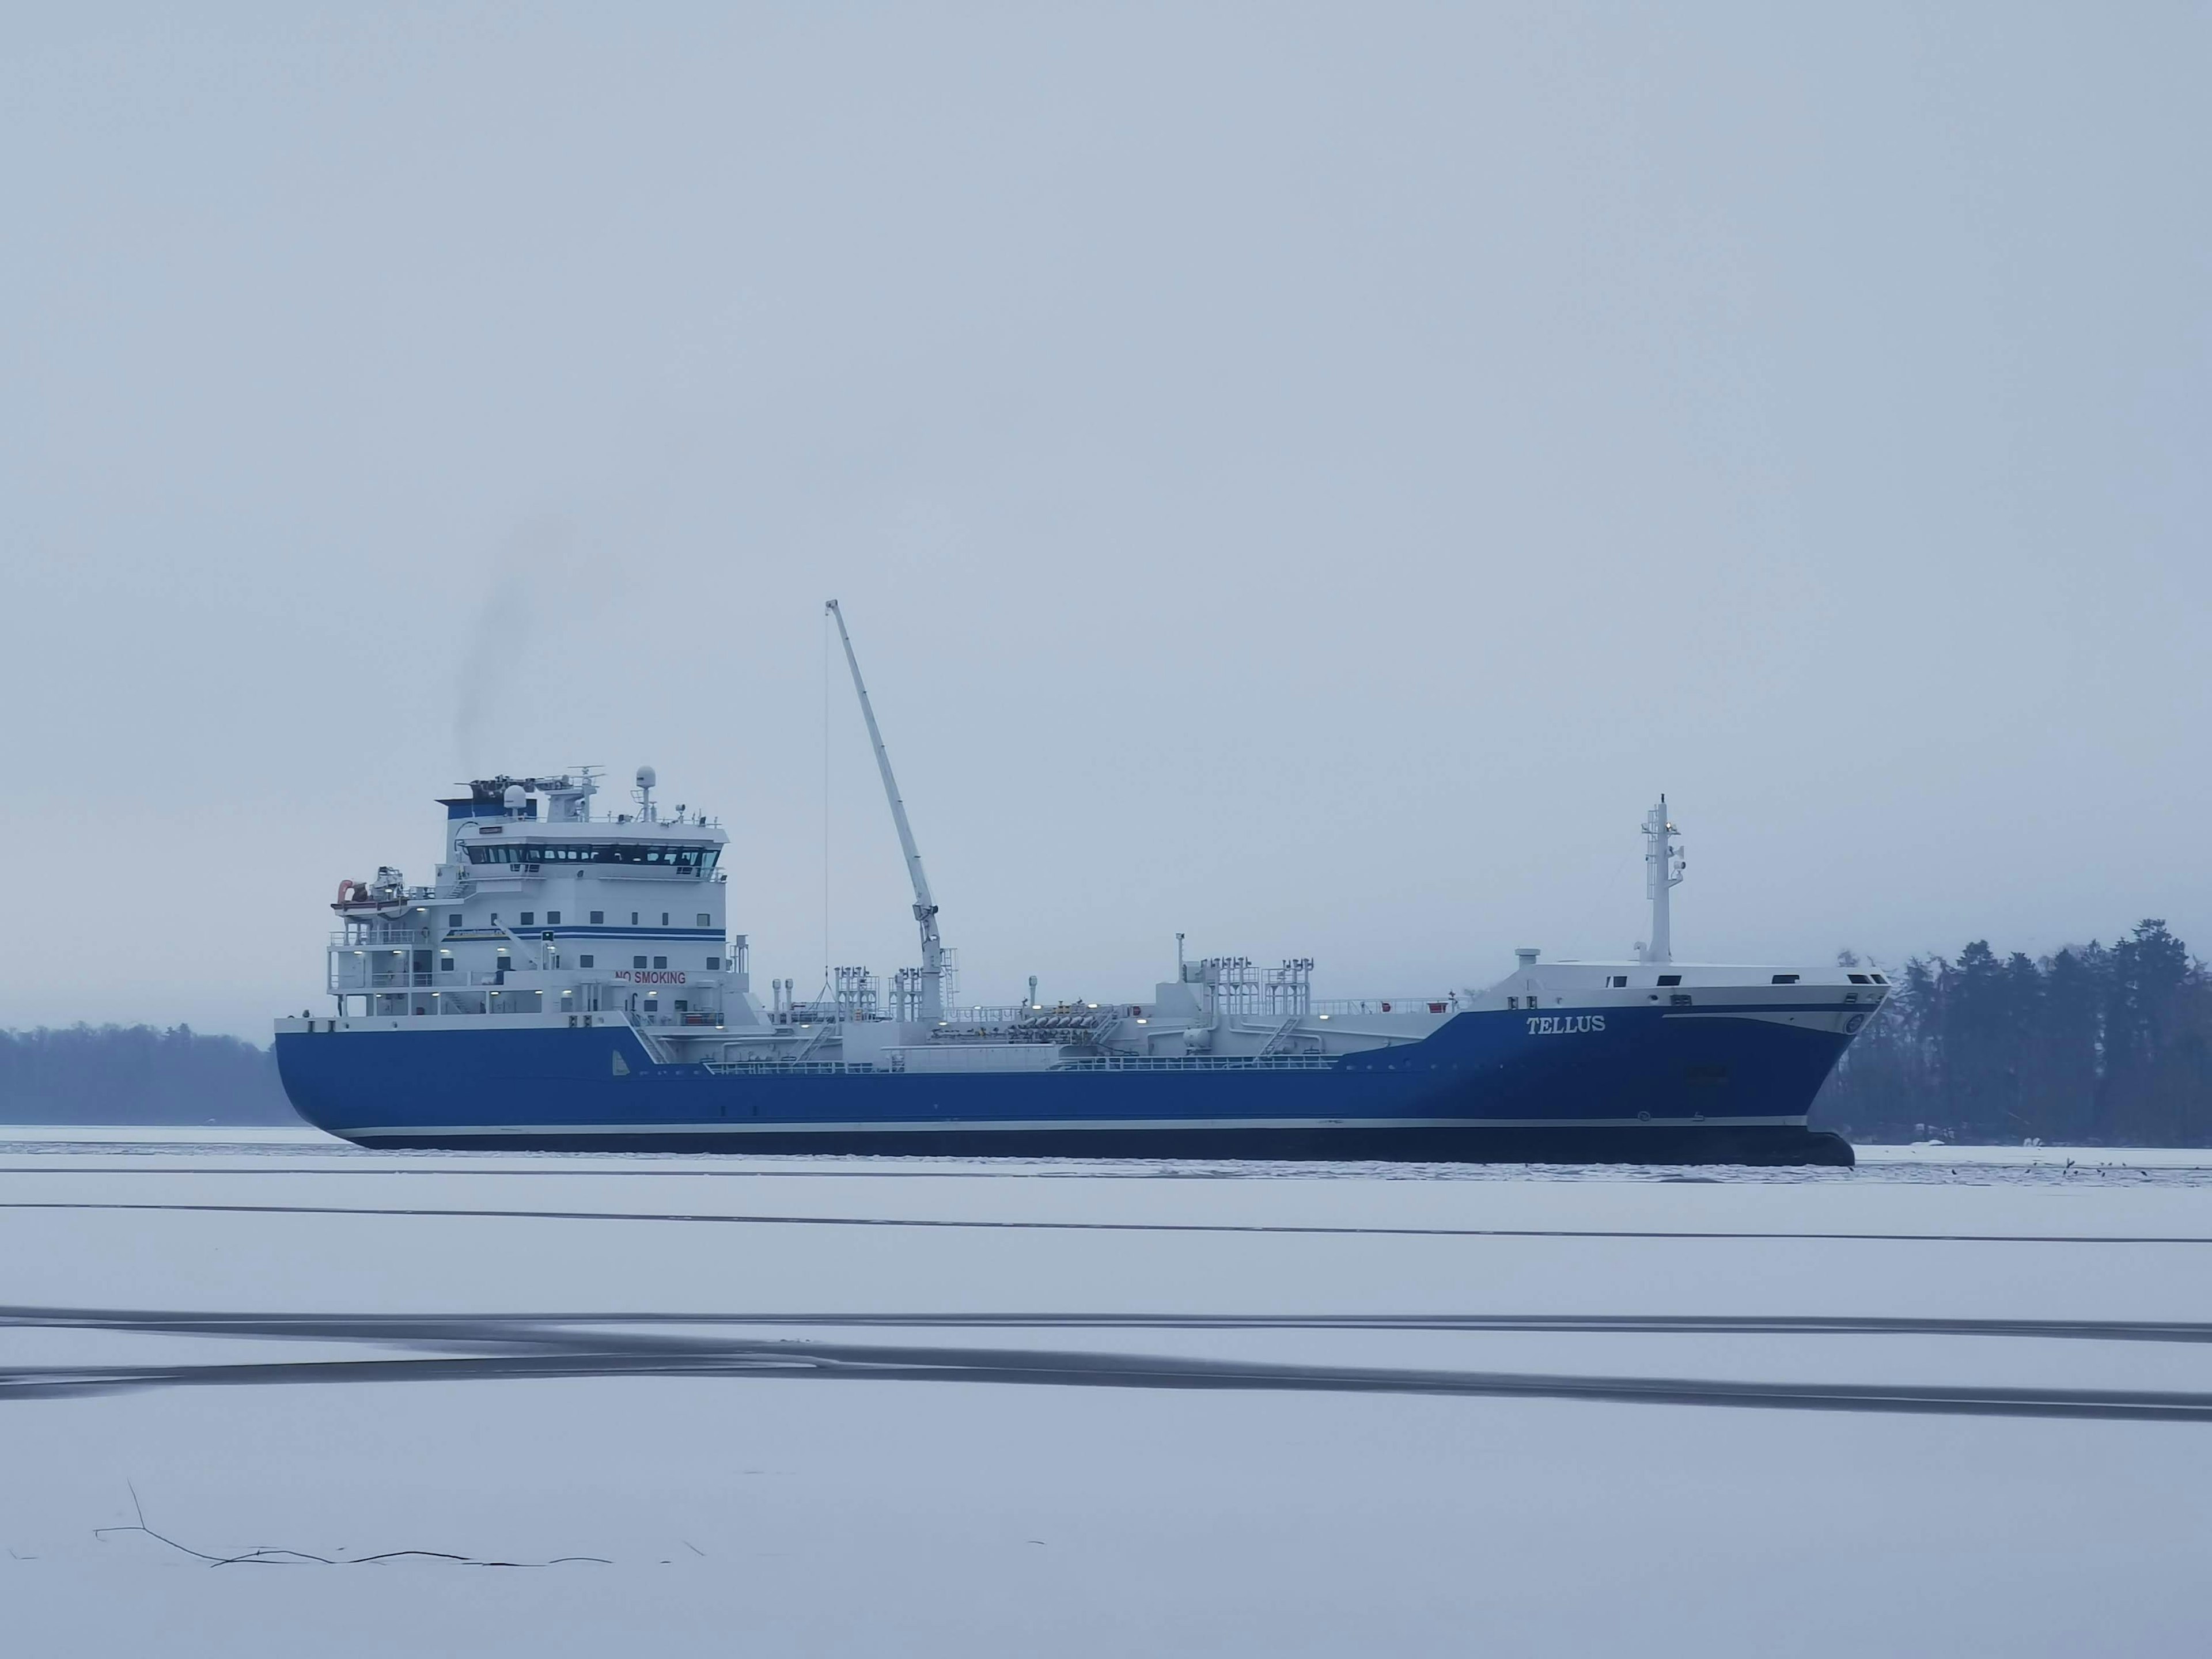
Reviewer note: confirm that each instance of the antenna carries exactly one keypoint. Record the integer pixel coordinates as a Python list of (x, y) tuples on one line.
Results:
[(1663, 865), (925, 908)]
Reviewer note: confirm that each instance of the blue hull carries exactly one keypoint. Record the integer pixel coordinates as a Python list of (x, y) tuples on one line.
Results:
[(1649, 1087)]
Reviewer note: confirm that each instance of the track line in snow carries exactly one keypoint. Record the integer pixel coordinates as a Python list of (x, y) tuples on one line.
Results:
[(713, 1217), (847, 1362)]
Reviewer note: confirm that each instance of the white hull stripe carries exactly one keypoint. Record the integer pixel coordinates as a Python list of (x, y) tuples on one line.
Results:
[(999, 1126)]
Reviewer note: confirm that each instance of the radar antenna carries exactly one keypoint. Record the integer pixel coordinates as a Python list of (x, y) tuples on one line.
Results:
[(1662, 873), (925, 908)]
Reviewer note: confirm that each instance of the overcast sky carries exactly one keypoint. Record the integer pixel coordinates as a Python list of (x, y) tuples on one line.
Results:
[(1304, 477)]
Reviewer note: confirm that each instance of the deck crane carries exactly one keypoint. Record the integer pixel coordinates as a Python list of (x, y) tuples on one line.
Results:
[(925, 908)]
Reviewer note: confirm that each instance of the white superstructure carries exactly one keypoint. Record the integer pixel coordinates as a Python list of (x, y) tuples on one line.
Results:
[(541, 906)]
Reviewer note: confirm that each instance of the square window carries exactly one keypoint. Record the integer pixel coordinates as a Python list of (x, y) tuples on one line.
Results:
[(530, 918), (445, 963), (452, 921), (661, 962), (706, 920), (682, 1006), (1617, 982), (585, 961), (637, 962), (598, 916), (713, 961), (552, 918)]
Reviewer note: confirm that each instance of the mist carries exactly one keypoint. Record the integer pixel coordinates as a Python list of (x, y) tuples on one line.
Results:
[(1301, 478)]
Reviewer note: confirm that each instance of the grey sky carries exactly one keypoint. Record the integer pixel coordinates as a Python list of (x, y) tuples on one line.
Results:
[(1304, 477)]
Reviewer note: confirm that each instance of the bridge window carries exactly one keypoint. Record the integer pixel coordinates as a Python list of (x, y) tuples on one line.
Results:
[(685, 857), (1670, 979)]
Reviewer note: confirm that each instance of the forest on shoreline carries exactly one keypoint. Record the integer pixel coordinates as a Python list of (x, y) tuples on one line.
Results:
[(137, 1074), (2094, 1044)]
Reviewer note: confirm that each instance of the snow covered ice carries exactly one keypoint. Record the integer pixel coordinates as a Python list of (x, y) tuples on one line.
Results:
[(1952, 1401)]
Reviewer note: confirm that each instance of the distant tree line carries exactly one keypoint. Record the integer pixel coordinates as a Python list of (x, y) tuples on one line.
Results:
[(137, 1074), (2096, 1044)]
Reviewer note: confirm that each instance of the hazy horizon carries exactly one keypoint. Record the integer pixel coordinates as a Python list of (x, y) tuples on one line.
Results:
[(1303, 477)]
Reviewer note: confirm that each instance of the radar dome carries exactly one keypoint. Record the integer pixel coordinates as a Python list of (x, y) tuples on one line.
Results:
[(646, 777), (516, 795)]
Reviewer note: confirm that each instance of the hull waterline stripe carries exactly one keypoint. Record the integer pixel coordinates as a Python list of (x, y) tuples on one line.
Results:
[(661, 1129)]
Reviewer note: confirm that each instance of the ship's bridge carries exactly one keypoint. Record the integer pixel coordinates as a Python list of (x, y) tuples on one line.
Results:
[(541, 906)]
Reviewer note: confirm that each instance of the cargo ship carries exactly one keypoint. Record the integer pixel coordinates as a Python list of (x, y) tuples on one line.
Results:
[(569, 980)]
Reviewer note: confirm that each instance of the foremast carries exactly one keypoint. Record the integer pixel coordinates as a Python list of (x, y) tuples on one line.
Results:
[(1662, 874)]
